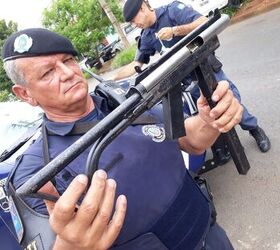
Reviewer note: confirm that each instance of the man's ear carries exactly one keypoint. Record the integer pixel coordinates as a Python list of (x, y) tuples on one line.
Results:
[(23, 93)]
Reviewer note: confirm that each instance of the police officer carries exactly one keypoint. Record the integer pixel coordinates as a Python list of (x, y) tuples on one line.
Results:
[(166, 208), (165, 26)]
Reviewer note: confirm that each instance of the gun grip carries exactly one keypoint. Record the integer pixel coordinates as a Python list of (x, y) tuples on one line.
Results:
[(173, 113), (207, 84)]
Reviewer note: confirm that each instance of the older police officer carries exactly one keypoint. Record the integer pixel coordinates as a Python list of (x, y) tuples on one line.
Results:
[(55, 83), (164, 27), (166, 208)]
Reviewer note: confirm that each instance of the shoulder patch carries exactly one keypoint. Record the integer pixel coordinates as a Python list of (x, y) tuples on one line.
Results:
[(181, 6)]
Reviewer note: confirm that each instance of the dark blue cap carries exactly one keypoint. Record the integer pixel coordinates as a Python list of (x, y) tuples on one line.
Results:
[(131, 8), (36, 42)]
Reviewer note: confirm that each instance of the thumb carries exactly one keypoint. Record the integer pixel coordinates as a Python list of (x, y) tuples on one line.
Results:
[(50, 189)]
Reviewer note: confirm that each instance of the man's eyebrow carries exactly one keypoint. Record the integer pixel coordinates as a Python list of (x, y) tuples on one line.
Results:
[(42, 65)]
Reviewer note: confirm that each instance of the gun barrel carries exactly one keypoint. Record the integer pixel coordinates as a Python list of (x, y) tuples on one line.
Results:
[(216, 28), (164, 69)]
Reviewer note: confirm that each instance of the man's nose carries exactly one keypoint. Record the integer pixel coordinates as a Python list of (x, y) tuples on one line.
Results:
[(133, 24), (66, 72)]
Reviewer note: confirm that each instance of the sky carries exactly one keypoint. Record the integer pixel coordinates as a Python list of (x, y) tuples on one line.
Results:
[(27, 13)]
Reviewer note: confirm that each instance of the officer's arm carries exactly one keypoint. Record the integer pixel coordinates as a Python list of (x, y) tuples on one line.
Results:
[(167, 33), (90, 227), (203, 129), (127, 70), (182, 30)]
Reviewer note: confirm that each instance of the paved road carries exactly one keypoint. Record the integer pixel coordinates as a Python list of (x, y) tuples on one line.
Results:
[(249, 206)]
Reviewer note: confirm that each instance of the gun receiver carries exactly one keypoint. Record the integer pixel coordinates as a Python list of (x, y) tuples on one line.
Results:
[(159, 82)]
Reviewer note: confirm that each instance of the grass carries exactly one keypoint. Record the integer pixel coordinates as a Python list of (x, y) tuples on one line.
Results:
[(231, 11), (124, 57)]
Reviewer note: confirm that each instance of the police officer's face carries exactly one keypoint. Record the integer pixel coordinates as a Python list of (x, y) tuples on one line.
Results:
[(53, 81), (144, 18)]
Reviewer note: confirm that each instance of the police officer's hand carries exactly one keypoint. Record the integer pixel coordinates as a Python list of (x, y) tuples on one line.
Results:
[(91, 226), (165, 33), (226, 114)]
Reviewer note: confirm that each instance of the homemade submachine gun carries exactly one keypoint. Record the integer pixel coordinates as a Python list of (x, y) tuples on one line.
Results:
[(161, 81)]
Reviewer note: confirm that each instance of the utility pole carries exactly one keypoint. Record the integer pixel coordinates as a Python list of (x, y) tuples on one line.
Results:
[(114, 22)]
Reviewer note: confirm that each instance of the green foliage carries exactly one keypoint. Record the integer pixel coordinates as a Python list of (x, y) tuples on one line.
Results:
[(230, 11), (87, 75), (5, 83), (6, 29), (124, 57), (4, 80), (4, 96), (83, 21)]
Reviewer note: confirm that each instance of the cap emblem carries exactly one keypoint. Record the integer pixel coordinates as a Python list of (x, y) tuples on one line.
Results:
[(22, 43)]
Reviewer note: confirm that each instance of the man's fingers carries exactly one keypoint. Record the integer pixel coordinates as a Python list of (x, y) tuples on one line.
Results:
[(64, 211), (235, 119), (105, 210), (117, 221), (222, 106), (165, 33), (227, 113), (88, 209), (220, 91), (49, 188)]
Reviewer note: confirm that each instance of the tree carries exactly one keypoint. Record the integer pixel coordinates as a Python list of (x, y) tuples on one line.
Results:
[(5, 83), (114, 22), (83, 21)]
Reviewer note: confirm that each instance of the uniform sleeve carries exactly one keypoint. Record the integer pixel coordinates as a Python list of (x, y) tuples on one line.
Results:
[(27, 166), (145, 48), (142, 57), (182, 14)]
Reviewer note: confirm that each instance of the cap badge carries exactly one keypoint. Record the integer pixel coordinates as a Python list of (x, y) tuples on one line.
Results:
[(22, 43)]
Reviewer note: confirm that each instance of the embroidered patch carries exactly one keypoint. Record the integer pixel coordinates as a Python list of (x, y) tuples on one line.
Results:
[(181, 6), (22, 43), (157, 133)]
